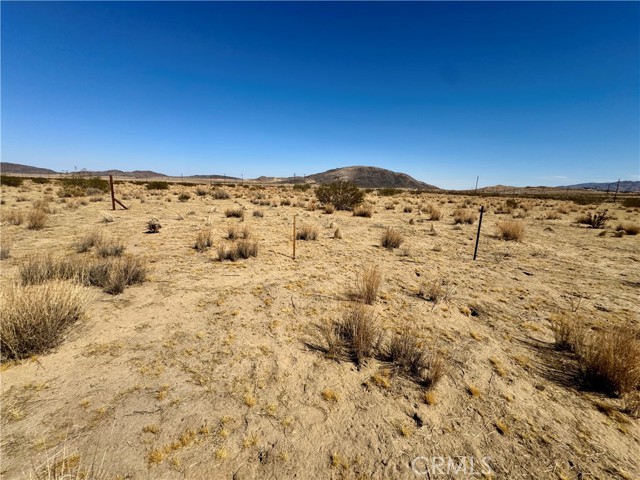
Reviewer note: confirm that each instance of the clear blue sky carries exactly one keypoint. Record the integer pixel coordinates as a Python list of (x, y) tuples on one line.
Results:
[(518, 93)]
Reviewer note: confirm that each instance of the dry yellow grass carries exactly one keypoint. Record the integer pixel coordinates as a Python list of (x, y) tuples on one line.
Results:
[(35, 318), (510, 230)]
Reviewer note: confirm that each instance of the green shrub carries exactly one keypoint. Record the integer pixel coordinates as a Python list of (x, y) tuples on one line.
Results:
[(10, 181), (82, 183), (157, 185), (388, 192), (342, 195)]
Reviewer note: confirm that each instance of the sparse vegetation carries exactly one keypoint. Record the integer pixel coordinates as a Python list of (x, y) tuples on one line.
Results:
[(36, 219), (363, 210), (10, 181), (391, 239), (342, 195), (361, 332), (35, 318), (595, 220), (307, 232), (157, 185), (629, 228), (234, 213), (464, 215), (204, 240), (367, 284), (510, 230)]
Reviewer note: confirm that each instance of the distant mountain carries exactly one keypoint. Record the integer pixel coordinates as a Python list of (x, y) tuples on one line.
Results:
[(138, 174), (625, 186), (7, 167), (369, 177)]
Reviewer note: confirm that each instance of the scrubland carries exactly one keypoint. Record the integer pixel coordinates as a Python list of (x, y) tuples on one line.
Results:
[(180, 339)]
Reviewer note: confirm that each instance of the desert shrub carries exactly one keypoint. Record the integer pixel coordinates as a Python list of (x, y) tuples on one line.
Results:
[(95, 192), (14, 217), (342, 195), (234, 213), (388, 192), (258, 213), (511, 203), (367, 284), (391, 239), (553, 215), (307, 232), (464, 215), (157, 185), (153, 226), (10, 181), (611, 360), (302, 187), (363, 210), (204, 240), (39, 180), (360, 331), (183, 197), (407, 209), (510, 230), (434, 212), (631, 202), (201, 191), (629, 228), (285, 202), (36, 318), (89, 241), (36, 219), (595, 220), (83, 183), (220, 194), (110, 248), (247, 248)]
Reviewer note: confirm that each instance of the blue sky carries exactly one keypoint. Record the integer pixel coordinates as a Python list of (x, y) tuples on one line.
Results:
[(518, 93)]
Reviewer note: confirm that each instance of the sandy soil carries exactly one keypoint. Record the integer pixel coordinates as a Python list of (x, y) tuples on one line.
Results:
[(204, 371)]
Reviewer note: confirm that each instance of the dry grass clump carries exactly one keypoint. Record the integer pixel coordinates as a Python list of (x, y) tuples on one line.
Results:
[(408, 354), (112, 274), (307, 232), (124, 272), (241, 249), (258, 213), (363, 210), (14, 217), (611, 360), (437, 290), (204, 240), (629, 228), (89, 241), (329, 208), (234, 232), (35, 318), (110, 248), (367, 284), (510, 230), (391, 239), (36, 219), (434, 212), (247, 248), (234, 213), (464, 215), (360, 331), (5, 248), (220, 194), (568, 330), (153, 226), (407, 209)]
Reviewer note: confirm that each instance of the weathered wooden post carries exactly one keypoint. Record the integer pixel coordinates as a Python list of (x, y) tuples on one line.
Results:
[(113, 197), (616, 194), (294, 236), (475, 252)]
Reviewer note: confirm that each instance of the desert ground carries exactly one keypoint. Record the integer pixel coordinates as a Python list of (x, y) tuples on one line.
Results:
[(222, 369)]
